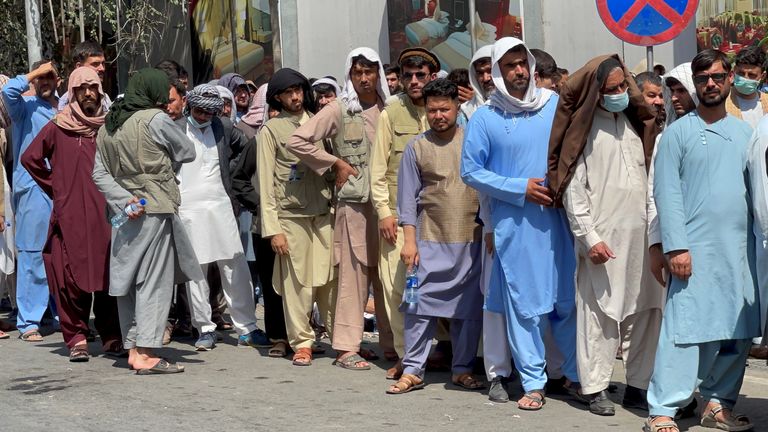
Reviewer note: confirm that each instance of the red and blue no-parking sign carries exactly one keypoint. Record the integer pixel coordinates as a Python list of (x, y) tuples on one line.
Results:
[(646, 22)]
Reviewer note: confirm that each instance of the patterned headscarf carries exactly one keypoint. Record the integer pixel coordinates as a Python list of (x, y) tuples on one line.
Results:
[(258, 109), (205, 97), (148, 88), (72, 117)]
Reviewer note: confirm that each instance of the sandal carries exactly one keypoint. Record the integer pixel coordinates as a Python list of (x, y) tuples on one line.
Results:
[(163, 367), (650, 426), (31, 336), (467, 381), (396, 371), (4, 335), (535, 396), (406, 383), (732, 422), (278, 350), (302, 357), (352, 362), (79, 354)]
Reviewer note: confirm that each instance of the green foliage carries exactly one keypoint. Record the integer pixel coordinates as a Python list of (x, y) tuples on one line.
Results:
[(13, 37)]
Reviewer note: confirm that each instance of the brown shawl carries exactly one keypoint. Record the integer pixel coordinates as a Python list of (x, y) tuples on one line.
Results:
[(579, 98), (72, 117)]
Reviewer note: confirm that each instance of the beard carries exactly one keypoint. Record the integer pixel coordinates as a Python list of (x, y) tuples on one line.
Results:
[(713, 101), (90, 107)]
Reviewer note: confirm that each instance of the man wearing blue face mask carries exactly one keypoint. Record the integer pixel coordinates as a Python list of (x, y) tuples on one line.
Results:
[(746, 102), (618, 302), (206, 210)]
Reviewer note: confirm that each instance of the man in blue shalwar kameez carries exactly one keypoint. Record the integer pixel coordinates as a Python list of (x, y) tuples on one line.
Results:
[(705, 211), (32, 206), (505, 158)]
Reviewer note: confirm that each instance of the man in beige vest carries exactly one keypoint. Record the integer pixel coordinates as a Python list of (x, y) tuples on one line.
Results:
[(403, 119), (350, 124), (295, 215), (136, 151)]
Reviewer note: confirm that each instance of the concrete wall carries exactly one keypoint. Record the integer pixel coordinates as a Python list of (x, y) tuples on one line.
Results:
[(317, 35), (573, 33)]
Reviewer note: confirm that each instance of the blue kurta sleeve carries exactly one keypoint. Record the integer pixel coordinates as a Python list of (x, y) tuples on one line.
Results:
[(474, 158), (408, 188), (668, 191), (14, 101)]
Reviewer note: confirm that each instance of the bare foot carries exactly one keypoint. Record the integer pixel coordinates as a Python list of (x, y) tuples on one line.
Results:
[(142, 358)]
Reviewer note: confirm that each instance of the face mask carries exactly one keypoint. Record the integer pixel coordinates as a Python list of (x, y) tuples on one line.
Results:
[(745, 86), (191, 120), (616, 103)]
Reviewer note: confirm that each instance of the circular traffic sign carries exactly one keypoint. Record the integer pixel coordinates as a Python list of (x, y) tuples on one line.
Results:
[(646, 22)]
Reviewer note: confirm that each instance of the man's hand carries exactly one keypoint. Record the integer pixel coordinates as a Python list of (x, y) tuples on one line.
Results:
[(537, 193), (658, 263), (410, 254), (465, 94), (343, 170), (42, 70), (279, 244), (138, 213), (680, 264), (489, 243), (388, 229), (600, 253)]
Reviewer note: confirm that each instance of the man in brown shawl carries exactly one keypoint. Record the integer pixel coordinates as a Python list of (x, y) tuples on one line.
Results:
[(598, 168)]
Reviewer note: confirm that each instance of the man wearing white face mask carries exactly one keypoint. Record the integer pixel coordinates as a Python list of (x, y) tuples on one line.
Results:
[(618, 302), (745, 101)]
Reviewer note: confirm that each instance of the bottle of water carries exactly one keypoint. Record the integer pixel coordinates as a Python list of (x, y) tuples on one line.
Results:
[(119, 219), (412, 286)]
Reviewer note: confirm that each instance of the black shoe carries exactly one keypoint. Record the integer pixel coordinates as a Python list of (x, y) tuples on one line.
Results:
[(498, 390), (600, 404), (556, 386), (688, 411), (635, 398)]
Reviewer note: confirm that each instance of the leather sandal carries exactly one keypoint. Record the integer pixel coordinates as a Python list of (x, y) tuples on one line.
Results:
[(650, 426), (278, 350), (732, 422), (79, 354), (302, 357), (535, 396), (406, 383), (467, 381)]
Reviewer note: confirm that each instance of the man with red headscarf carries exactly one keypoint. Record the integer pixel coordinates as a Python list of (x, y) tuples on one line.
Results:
[(76, 254)]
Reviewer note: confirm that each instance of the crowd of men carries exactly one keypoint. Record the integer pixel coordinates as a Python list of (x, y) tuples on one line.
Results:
[(547, 223)]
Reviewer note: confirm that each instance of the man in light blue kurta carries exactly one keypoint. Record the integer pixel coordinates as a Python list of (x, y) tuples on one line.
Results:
[(32, 206), (703, 201), (505, 158)]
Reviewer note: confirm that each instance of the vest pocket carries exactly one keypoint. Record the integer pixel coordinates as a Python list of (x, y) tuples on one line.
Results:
[(402, 135), (357, 188)]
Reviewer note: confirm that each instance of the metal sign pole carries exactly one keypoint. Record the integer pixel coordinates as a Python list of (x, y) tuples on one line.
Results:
[(472, 40), (649, 57)]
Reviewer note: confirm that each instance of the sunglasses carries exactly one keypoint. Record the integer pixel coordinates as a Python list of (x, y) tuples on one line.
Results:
[(408, 75), (718, 78)]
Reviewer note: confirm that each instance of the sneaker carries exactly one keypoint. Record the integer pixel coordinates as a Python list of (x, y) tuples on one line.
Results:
[(498, 390), (206, 342), (255, 339)]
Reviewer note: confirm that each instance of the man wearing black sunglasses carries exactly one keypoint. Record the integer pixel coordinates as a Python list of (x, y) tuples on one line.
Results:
[(712, 310), (402, 120)]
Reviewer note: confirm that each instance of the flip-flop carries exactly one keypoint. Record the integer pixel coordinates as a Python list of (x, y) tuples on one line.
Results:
[(31, 336), (161, 368)]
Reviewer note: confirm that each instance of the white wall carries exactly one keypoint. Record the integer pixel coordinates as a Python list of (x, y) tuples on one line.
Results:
[(327, 30), (572, 32)]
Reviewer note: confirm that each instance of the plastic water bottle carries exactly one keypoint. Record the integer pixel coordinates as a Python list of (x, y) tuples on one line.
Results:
[(411, 286), (119, 219)]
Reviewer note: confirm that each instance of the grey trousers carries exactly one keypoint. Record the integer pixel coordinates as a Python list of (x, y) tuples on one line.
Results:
[(143, 311), (419, 331)]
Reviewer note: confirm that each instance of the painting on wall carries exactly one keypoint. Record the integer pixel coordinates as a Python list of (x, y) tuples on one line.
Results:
[(214, 48), (730, 25), (443, 27)]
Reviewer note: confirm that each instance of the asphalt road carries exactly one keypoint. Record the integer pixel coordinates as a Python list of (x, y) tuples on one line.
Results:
[(241, 389)]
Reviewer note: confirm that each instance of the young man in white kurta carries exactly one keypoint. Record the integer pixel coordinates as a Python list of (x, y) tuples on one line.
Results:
[(207, 215), (617, 300)]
